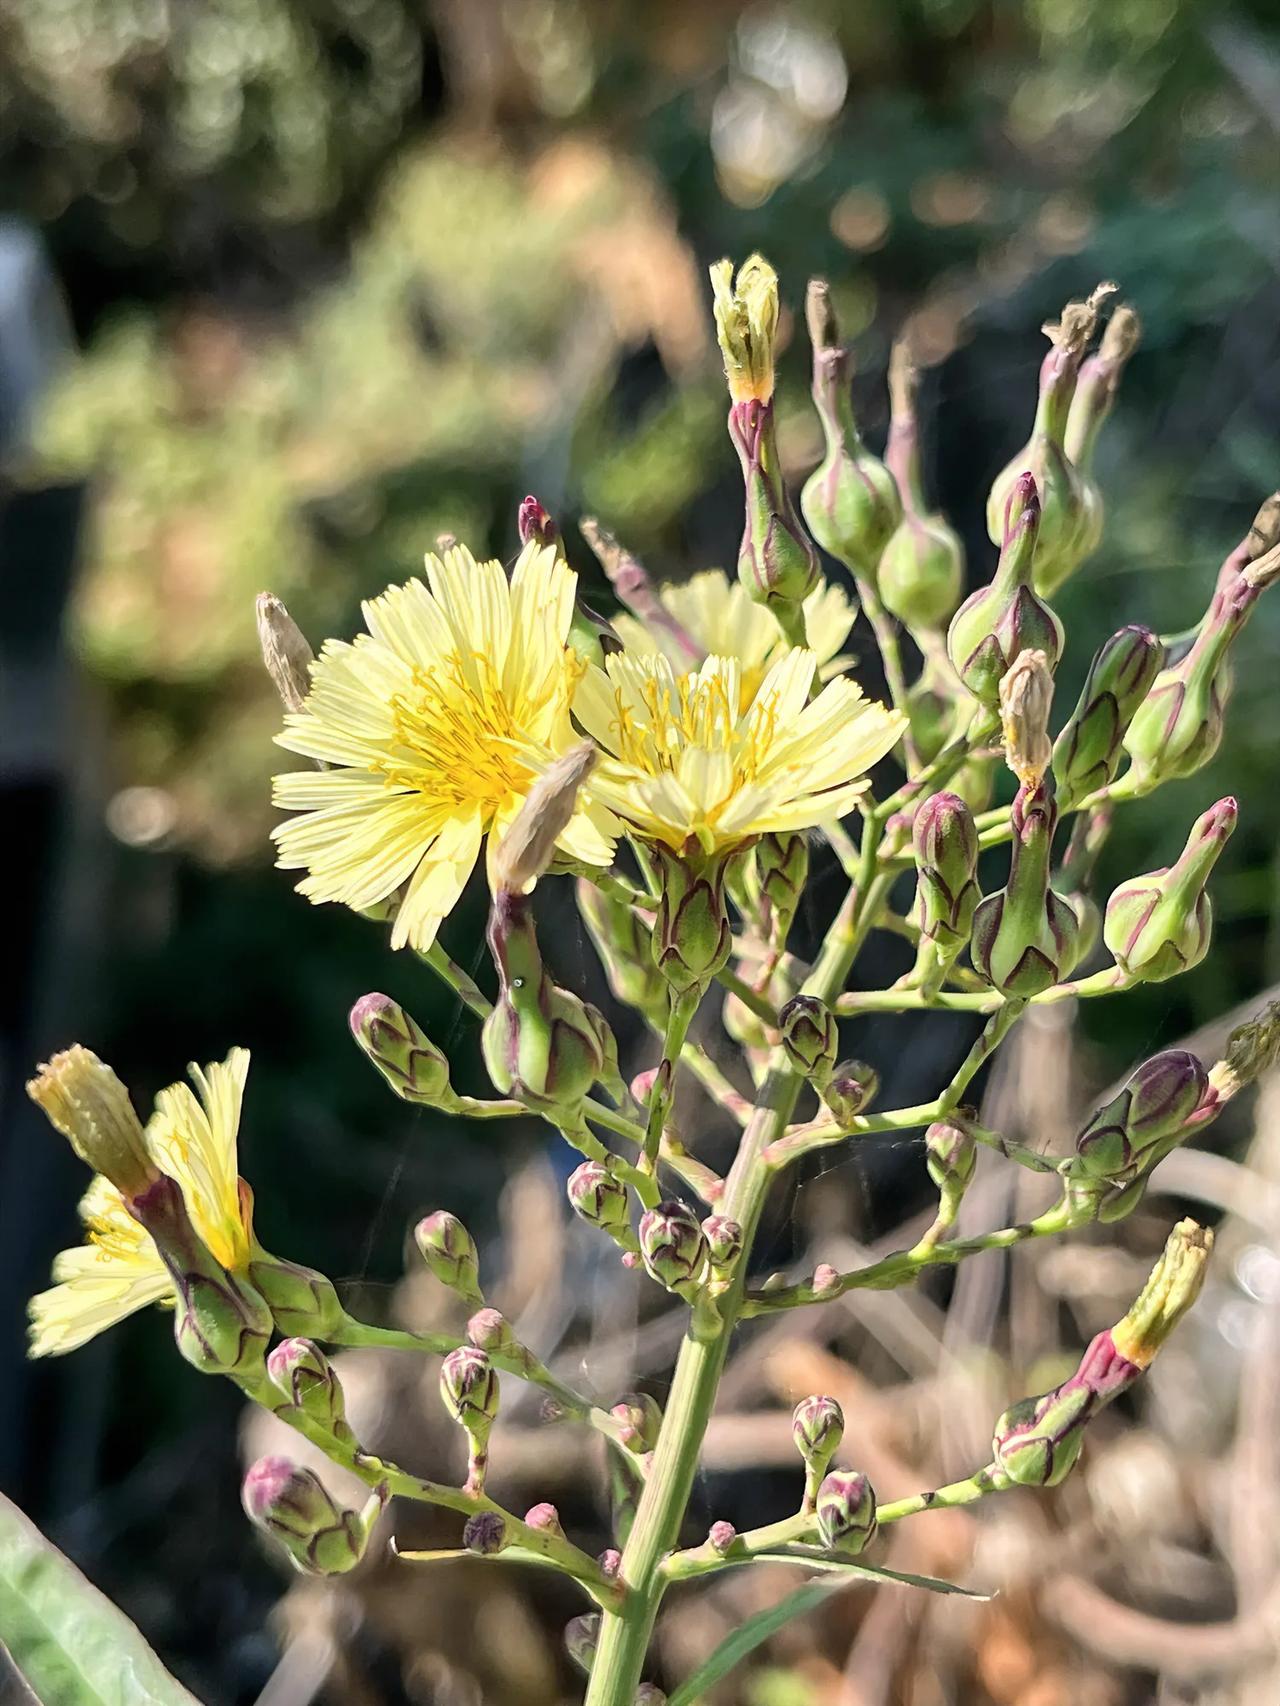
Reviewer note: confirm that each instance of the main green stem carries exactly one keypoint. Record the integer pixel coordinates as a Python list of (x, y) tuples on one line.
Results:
[(625, 1634)]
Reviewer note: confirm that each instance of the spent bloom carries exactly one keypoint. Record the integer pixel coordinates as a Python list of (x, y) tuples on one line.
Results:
[(685, 760), (119, 1269), (719, 615), (434, 726)]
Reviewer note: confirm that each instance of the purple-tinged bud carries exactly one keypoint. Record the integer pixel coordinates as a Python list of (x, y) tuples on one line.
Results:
[(826, 1279), (692, 937), (301, 1300), (851, 1089), (1044, 456), (846, 1511), (997, 622), (599, 1198), (724, 1243), (581, 1638), (449, 1251), (309, 1382), (490, 1331), (485, 1534), (951, 1154), (469, 1388), (817, 1427), (850, 500), (544, 1517), (1159, 924), (1026, 936), (535, 524), (402, 1051), (945, 841), (641, 1421), (1038, 1440), (721, 1536), (1087, 754), (610, 1562), (285, 652), (1157, 1106), (809, 1036), (673, 1248), (624, 941), (291, 1504)]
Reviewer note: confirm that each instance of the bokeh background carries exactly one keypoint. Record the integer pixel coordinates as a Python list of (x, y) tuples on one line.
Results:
[(286, 290)]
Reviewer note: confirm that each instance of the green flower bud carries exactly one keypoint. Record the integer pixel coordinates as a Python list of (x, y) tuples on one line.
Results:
[(674, 1248), (303, 1374), (946, 851), (581, 1638), (781, 869), (850, 501), (692, 938), (1157, 1103), (999, 621), (301, 1300), (541, 1043), (641, 1421), (1252, 1050), (1044, 457), (599, 1198), (1159, 924), (469, 1388), (850, 1091), (846, 1511), (1087, 754), (809, 1036), (921, 573), (1038, 1440), (1026, 937), (624, 942), (1095, 393), (724, 1243), (951, 1155), (291, 1504), (450, 1253), (817, 1427), (491, 1332), (402, 1051)]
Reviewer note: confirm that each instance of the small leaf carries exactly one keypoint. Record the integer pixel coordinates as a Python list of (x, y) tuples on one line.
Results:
[(67, 1641), (756, 1630)]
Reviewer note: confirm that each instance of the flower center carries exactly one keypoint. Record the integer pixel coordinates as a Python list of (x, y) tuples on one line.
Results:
[(458, 738)]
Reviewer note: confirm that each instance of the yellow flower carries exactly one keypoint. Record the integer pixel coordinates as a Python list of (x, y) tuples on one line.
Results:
[(436, 723), (119, 1268), (720, 616), (685, 758)]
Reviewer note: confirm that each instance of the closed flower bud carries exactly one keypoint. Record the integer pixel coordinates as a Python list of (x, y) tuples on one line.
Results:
[(599, 1198), (649, 1694), (469, 1388), (817, 1427), (997, 622), (1026, 937), (809, 1036), (674, 1248), (692, 937), (781, 869), (529, 845), (641, 1420), (1155, 1105), (951, 1155), (1159, 924), (546, 1518), (1038, 1440), (945, 842), (850, 501), (624, 942), (921, 572), (1252, 1050), (1087, 754), (581, 1637), (285, 652), (402, 1051), (490, 1331), (300, 1299), (1095, 393), (724, 1242), (721, 1536), (485, 1534), (846, 1511), (449, 1251), (851, 1089), (292, 1505), (1060, 550), (541, 1043), (305, 1377)]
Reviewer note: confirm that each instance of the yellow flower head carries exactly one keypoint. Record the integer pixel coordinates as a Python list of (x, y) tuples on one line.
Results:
[(435, 723), (720, 616), (685, 758), (118, 1269)]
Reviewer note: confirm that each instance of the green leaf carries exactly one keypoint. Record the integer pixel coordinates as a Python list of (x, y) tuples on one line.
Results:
[(67, 1641), (756, 1630)]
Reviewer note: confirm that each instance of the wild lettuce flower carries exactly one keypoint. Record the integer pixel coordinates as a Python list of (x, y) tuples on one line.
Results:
[(119, 1269), (434, 725)]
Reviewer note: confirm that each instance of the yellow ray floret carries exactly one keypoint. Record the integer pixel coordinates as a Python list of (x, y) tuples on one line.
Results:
[(435, 724), (118, 1269), (720, 616), (685, 758)]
